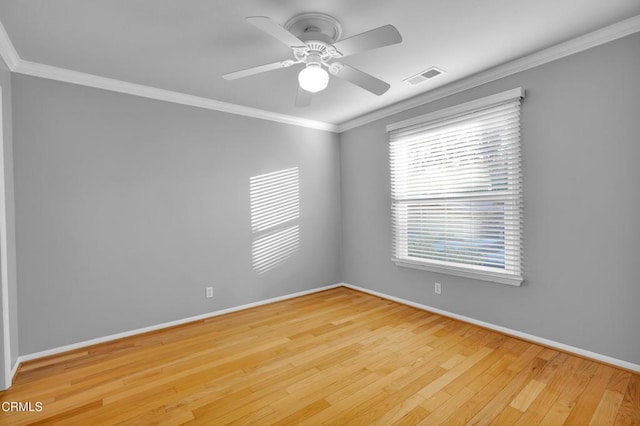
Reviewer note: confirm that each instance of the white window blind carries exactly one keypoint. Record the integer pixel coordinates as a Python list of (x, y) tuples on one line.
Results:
[(456, 189)]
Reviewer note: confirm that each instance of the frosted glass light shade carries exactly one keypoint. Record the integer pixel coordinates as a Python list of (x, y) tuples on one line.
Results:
[(313, 78)]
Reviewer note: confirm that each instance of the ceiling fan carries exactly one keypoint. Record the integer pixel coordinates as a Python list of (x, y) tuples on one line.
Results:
[(314, 39)]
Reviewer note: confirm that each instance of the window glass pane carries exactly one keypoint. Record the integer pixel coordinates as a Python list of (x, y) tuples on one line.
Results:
[(466, 232)]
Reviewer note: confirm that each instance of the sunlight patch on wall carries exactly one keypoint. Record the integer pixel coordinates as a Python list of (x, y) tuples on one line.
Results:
[(273, 249), (275, 199), (275, 207)]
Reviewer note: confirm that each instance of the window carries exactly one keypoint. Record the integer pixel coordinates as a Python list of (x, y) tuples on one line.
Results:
[(456, 190)]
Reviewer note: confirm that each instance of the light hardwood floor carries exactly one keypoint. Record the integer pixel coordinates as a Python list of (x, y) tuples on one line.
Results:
[(335, 357)]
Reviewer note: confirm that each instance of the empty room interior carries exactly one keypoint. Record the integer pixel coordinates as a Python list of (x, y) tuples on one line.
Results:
[(297, 212)]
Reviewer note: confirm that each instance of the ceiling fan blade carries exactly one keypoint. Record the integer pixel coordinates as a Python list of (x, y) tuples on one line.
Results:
[(379, 37), (275, 30), (256, 70), (362, 79), (303, 98)]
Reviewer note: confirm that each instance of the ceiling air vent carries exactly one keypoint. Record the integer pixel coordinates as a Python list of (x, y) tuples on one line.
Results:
[(423, 76)]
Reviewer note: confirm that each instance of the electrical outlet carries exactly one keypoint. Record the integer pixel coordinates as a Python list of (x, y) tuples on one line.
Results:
[(209, 292), (438, 288)]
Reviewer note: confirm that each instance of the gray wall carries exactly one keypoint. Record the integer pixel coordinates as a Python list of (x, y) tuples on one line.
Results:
[(5, 83), (127, 208), (581, 151)]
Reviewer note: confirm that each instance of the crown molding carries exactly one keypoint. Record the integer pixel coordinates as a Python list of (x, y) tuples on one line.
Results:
[(7, 51), (578, 44), (612, 32), (75, 77), (20, 66)]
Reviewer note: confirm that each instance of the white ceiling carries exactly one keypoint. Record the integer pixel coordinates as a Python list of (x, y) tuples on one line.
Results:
[(186, 46)]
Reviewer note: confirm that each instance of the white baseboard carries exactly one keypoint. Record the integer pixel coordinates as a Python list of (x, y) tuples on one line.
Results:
[(14, 370), (508, 331), (8, 380), (79, 345), (546, 342)]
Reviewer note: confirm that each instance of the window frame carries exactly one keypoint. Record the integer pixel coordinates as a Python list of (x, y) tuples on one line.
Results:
[(512, 237)]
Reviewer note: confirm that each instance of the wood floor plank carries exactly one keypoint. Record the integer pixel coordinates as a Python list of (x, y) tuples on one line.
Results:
[(562, 366), (507, 393), (333, 357), (629, 411), (413, 417), (607, 409), (508, 416), (497, 393), (589, 400), (527, 395), (450, 406), (304, 412)]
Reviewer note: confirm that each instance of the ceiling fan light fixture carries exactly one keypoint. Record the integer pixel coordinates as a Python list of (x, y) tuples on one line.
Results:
[(313, 78)]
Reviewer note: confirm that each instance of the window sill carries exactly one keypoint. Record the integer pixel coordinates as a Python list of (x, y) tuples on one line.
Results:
[(461, 272)]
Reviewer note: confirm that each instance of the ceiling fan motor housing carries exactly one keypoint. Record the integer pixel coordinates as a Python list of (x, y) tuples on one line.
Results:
[(318, 31), (313, 58), (315, 26), (315, 38)]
